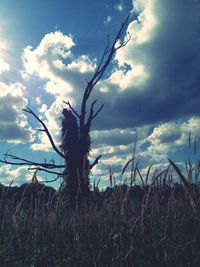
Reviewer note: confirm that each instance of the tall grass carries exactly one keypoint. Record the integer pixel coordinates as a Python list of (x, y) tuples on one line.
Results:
[(159, 228)]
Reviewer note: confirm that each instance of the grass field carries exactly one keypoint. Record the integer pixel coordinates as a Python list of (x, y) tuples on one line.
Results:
[(157, 225)]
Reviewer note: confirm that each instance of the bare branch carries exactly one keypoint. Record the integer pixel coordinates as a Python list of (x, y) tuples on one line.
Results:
[(92, 108), (92, 114), (28, 162), (95, 162), (53, 180), (28, 110), (104, 54), (68, 103), (97, 112), (111, 51), (102, 66), (44, 170)]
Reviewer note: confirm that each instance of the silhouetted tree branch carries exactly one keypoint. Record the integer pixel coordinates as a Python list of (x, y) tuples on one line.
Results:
[(45, 129), (28, 162), (45, 170), (71, 108), (95, 162)]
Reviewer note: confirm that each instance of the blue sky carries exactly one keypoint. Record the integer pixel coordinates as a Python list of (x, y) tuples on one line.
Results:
[(48, 49)]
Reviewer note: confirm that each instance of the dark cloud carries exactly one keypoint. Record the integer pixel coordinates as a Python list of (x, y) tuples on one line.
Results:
[(13, 123), (12, 132), (113, 137), (169, 137), (172, 58)]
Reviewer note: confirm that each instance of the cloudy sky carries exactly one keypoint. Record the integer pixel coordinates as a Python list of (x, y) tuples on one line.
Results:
[(48, 51)]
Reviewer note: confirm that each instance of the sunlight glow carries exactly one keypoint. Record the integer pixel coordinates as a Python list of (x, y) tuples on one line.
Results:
[(4, 66)]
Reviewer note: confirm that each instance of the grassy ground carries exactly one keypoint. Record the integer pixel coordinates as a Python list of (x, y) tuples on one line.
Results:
[(157, 229)]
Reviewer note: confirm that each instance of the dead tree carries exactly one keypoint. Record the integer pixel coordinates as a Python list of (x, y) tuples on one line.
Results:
[(76, 174), (76, 128)]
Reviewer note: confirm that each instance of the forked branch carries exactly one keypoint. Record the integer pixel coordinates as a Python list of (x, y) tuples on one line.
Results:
[(106, 58), (45, 129), (72, 109), (25, 162)]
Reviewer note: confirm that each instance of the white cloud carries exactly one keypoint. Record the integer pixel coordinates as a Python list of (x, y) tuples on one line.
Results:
[(173, 136), (82, 64), (3, 66), (119, 7), (167, 139), (58, 88), (13, 122), (18, 175), (37, 100), (64, 74), (108, 151), (151, 148), (145, 25), (43, 109), (108, 20), (132, 70), (50, 48), (54, 61), (113, 136), (127, 79), (51, 117), (141, 31), (116, 148), (115, 160), (4, 45)]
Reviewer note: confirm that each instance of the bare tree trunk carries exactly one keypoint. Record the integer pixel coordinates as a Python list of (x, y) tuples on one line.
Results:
[(75, 146)]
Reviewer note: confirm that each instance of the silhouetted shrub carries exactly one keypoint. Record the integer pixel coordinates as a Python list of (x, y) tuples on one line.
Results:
[(28, 193)]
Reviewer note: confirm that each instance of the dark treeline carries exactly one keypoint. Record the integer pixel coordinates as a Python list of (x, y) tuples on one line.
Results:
[(35, 191)]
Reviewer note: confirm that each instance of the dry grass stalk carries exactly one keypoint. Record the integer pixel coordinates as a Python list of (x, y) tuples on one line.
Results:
[(186, 185), (147, 175), (16, 227), (146, 198), (140, 175), (126, 165)]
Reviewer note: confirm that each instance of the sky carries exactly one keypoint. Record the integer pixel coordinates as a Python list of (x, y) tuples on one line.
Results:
[(49, 50)]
